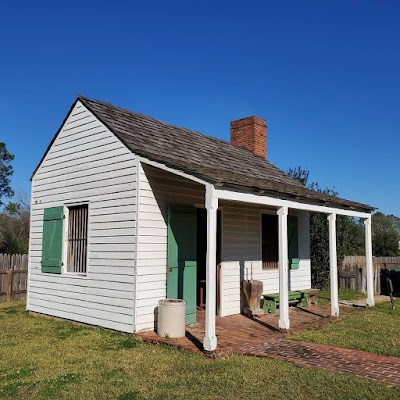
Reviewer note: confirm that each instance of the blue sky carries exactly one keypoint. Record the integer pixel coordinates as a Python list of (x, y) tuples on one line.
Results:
[(325, 75)]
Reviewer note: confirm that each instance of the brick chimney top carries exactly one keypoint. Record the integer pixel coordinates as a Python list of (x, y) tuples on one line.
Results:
[(250, 133)]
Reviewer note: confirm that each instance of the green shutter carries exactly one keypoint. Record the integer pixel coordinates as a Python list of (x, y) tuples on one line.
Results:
[(293, 242), (52, 239)]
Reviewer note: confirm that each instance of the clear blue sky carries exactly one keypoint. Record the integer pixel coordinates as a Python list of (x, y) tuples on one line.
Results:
[(325, 75)]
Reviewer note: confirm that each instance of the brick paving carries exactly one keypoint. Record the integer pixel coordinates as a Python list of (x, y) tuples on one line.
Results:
[(326, 357), (261, 337)]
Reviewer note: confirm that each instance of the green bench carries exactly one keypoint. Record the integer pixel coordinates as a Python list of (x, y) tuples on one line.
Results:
[(271, 301)]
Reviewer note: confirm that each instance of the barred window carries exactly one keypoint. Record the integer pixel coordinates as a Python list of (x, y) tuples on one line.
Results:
[(77, 238)]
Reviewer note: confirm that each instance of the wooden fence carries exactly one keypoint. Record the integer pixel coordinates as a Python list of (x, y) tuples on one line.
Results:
[(391, 263), (13, 276), (353, 274)]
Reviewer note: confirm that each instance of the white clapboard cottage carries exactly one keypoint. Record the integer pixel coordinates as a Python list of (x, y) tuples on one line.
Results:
[(127, 210)]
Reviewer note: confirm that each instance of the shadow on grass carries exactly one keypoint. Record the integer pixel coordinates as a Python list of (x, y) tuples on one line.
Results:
[(120, 341), (128, 396)]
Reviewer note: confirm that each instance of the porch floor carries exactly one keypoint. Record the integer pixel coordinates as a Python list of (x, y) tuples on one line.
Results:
[(235, 331)]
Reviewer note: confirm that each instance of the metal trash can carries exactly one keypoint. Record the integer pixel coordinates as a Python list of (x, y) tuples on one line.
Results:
[(171, 318)]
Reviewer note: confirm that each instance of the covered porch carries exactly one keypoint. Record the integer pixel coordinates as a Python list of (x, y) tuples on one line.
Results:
[(232, 242), (215, 195)]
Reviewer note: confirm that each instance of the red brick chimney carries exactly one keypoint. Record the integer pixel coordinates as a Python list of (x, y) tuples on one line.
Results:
[(250, 133)]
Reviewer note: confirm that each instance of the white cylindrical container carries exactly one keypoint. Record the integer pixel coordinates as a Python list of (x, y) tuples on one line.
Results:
[(171, 318)]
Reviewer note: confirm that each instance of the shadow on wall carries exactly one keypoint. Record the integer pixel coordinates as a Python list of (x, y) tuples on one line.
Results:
[(155, 319), (169, 188)]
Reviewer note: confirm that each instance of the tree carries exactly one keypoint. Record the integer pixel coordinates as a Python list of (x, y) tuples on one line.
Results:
[(6, 170), (385, 235), (349, 234), (14, 227), (299, 174), (395, 221)]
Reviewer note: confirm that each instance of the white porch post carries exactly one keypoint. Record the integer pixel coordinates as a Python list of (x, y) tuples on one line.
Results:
[(333, 266), (368, 263), (284, 322), (210, 339)]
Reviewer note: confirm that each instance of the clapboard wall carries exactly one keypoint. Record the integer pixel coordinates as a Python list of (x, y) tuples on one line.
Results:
[(241, 255), (87, 163)]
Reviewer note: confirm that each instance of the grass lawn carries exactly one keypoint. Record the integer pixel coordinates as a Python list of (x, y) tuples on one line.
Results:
[(47, 359), (375, 329), (344, 294)]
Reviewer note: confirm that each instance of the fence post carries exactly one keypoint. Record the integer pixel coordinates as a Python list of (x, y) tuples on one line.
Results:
[(9, 284)]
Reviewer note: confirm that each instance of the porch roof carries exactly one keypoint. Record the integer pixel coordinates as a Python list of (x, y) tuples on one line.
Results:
[(208, 158)]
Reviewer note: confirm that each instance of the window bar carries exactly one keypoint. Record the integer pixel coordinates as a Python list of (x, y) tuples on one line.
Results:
[(74, 240), (78, 234), (86, 237), (80, 239), (81, 220)]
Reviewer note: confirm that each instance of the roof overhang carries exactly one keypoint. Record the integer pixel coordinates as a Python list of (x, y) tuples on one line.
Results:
[(260, 198)]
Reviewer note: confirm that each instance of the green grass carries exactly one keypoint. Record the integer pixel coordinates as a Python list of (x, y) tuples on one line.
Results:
[(344, 294), (375, 329), (48, 359), (350, 294)]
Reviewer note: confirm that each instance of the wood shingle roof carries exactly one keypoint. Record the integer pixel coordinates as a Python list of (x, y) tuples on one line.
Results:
[(208, 158)]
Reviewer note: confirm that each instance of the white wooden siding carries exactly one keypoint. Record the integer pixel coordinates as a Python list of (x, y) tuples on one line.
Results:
[(88, 163), (229, 295), (241, 254), (158, 189)]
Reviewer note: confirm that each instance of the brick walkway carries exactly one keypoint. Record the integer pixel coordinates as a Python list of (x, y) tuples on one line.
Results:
[(261, 337), (330, 358)]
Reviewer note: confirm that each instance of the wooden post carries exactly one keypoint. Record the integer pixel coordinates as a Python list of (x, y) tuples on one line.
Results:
[(284, 322), (9, 284), (333, 266), (368, 263), (210, 338)]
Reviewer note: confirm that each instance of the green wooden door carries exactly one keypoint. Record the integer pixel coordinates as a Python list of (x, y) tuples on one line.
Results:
[(181, 269)]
